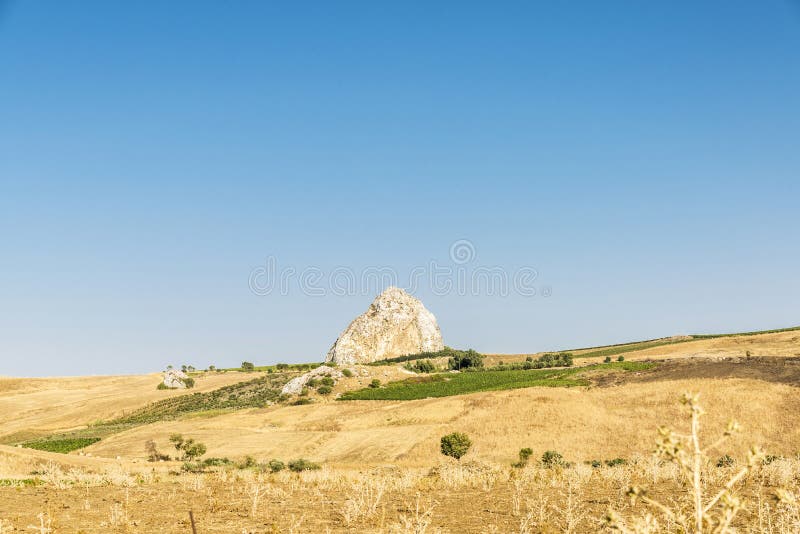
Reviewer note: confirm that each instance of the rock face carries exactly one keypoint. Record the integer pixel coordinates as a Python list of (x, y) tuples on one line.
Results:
[(175, 379), (395, 324), (296, 385)]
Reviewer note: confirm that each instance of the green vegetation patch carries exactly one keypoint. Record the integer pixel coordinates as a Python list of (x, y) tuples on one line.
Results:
[(19, 482), (255, 393), (448, 384), (60, 445), (755, 333), (614, 350), (447, 352)]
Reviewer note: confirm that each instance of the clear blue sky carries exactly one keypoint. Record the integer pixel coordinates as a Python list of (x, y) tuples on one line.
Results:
[(642, 156)]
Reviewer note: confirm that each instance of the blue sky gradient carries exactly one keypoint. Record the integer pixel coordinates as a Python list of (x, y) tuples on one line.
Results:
[(642, 156)]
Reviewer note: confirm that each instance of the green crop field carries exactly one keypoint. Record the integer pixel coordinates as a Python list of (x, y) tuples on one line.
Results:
[(622, 348), (448, 384), (60, 445)]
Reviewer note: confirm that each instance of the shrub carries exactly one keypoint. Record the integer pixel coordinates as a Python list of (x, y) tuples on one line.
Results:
[(726, 461), (552, 459), (621, 358), (189, 447), (152, 452), (282, 366), (248, 366), (769, 458), (312, 382), (455, 445), (607, 359), (421, 366), (616, 461), (193, 467), (347, 373), (324, 390), (524, 456), (301, 464), (188, 382), (466, 360), (276, 466), (304, 392), (162, 385), (248, 463), (529, 358), (375, 383), (328, 381), (213, 462)]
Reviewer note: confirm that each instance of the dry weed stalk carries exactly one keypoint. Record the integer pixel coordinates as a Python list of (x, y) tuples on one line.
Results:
[(571, 512), (712, 515), (418, 520), (255, 490), (363, 500), (45, 524)]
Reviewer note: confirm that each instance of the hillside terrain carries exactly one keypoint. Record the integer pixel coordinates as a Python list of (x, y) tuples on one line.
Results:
[(590, 412)]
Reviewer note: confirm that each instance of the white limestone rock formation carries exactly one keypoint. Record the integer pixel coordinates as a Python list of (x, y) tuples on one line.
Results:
[(396, 324), (174, 379), (296, 385)]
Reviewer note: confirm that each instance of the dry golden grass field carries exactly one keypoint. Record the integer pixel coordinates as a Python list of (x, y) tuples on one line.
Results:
[(381, 468)]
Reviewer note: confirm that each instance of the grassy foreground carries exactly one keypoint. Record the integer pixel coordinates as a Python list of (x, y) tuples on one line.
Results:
[(448, 384)]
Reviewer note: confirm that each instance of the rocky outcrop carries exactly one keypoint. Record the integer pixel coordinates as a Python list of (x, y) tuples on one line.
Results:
[(175, 379), (296, 385), (396, 324)]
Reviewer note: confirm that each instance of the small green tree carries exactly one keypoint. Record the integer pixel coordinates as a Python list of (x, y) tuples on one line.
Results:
[(282, 366), (189, 448), (621, 358), (607, 360), (524, 456), (466, 360), (248, 366), (375, 383), (455, 445)]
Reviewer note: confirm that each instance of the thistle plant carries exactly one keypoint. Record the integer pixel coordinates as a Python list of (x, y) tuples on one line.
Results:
[(707, 514)]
